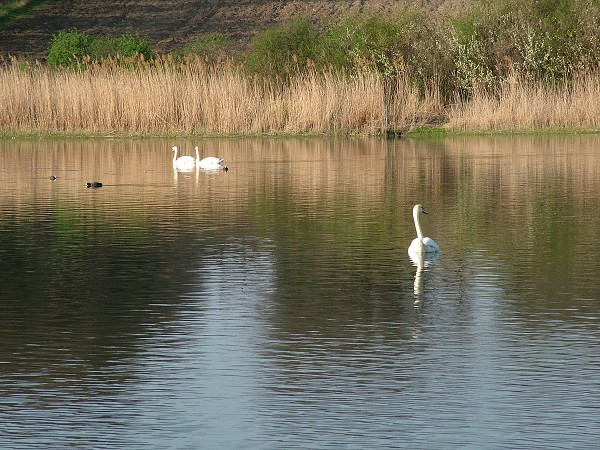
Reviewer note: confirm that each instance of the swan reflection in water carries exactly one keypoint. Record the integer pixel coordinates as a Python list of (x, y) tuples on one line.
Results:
[(188, 171), (421, 261)]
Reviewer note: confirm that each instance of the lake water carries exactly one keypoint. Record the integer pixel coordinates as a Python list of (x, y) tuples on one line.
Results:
[(275, 305)]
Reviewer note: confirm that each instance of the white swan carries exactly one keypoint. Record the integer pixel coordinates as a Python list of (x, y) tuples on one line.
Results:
[(183, 162), (208, 163), (421, 244)]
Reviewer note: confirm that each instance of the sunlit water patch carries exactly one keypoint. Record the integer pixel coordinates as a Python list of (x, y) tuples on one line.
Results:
[(275, 305)]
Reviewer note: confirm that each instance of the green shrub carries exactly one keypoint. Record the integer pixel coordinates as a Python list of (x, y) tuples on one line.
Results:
[(130, 46), (67, 48), (283, 50), (73, 48), (472, 62), (408, 45), (549, 40), (126, 46), (212, 47), (373, 42), (545, 40), (561, 37)]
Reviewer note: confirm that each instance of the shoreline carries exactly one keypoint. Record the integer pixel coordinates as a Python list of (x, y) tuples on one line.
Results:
[(426, 132)]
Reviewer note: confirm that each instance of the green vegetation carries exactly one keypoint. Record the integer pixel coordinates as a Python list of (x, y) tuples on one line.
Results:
[(427, 132), (284, 50), (72, 48), (69, 47), (516, 65), (539, 40), (214, 47), (13, 9), (547, 40)]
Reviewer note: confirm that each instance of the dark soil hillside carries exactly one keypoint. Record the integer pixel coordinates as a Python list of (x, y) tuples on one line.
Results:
[(167, 26)]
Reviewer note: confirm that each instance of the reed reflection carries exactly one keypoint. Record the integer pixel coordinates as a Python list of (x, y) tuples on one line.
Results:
[(325, 198), (296, 261)]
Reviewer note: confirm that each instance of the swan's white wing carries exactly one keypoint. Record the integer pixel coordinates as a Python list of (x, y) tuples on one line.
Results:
[(185, 162), (416, 246), (427, 245), (210, 162), (430, 245)]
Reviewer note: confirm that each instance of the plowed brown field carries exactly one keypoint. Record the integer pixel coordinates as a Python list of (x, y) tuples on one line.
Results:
[(169, 25)]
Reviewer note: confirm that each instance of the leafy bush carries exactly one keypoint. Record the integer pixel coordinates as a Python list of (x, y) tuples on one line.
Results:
[(561, 37), (212, 47), (67, 47), (130, 46), (373, 42), (283, 50), (473, 62), (540, 40), (126, 46), (409, 45), (547, 40), (72, 48)]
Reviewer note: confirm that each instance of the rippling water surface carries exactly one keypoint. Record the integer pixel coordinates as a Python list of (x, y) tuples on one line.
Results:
[(275, 305)]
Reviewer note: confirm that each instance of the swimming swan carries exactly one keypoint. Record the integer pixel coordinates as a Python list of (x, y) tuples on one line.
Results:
[(208, 163), (421, 244), (183, 162)]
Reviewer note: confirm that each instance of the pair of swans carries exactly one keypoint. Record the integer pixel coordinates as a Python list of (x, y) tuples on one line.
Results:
[(188, 162)]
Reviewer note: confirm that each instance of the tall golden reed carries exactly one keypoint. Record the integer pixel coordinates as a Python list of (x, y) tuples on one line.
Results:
[(192, 98), (524, 105), (163, 97)]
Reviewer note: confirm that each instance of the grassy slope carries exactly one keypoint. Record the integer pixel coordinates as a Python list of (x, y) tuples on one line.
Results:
[(14, 9), (27, 30)]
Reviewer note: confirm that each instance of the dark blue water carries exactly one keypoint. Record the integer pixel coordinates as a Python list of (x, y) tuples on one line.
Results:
[(275, 305)]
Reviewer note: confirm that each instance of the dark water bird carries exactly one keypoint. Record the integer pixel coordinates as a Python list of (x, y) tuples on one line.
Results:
[(52, 178), (225, 169), (94, 184)]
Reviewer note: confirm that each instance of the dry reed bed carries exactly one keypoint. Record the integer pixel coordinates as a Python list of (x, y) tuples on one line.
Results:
[(154, 99), (525, 105), (162, 100)]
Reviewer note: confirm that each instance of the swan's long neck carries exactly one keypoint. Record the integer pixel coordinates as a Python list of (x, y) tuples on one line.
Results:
[(417, 224), (197, 156), (174, 154)]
